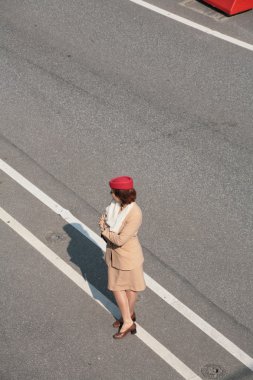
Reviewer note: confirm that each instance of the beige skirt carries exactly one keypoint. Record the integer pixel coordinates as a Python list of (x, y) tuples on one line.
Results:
[(126, 279)]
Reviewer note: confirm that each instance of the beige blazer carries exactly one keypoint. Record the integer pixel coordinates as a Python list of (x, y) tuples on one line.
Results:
[(124, 249)]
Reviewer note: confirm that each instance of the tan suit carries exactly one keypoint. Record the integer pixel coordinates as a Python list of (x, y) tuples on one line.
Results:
[(123, 250)]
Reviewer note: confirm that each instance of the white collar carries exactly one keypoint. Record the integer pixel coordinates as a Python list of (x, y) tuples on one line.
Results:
[(114, 215)]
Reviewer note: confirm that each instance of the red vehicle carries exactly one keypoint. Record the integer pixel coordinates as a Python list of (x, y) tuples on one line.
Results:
[(231, 7)]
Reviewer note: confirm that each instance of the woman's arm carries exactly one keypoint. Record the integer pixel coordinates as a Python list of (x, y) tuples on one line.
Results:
[(129, 230), (101, 222)]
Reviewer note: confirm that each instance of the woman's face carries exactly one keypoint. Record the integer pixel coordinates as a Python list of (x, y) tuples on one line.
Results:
[(114, 197)]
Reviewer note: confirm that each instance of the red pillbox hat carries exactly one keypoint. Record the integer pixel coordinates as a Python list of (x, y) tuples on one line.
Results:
[(121, 183)]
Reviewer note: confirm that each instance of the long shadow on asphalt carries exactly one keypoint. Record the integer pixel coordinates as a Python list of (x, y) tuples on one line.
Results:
[(90, 259)]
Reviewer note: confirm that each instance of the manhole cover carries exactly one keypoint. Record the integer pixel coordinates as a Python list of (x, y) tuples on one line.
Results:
[(213, 371), (53, 237)]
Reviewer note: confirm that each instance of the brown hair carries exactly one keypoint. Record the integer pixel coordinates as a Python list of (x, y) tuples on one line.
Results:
[(126, 196)]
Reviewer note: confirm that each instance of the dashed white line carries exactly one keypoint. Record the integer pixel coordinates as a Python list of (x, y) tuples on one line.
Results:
[(193, 24), (164, 294), (94, 293)]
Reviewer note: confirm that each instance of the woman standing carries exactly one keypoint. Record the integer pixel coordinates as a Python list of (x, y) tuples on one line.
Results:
[(124, 258)]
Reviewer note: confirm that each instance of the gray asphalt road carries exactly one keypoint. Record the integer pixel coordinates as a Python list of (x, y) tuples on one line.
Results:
[(92, 90)]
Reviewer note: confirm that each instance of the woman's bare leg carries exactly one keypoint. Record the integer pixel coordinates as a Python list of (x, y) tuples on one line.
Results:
[(122, 301), (132, 297)]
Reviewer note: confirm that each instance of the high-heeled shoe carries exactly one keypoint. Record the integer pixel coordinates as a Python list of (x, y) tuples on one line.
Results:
[(120, 335), (119, 322)]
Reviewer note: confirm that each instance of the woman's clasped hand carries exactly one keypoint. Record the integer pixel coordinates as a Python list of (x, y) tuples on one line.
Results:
[(102, 223)]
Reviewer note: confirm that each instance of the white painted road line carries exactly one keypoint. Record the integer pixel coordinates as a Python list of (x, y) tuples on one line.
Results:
[(194, 25), (164, 294), (54, 206), (200, 323), (94, 293)]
